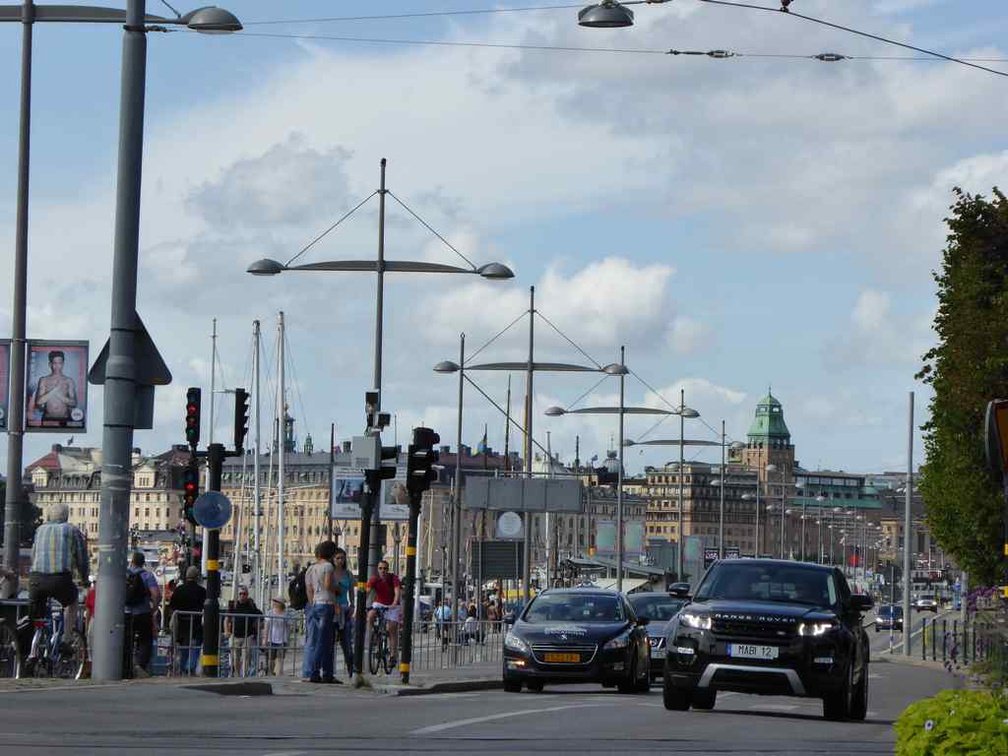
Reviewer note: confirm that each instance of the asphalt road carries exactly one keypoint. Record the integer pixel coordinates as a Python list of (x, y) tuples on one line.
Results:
[(150, 719), (880, 641)]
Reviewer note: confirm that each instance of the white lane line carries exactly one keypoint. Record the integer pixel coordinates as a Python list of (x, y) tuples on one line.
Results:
[(774, 707), (874, 676), (491, 717), (285, 753)]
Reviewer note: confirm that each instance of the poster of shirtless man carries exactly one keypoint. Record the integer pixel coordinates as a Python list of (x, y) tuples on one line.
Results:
[(57, 385), (4, 382)]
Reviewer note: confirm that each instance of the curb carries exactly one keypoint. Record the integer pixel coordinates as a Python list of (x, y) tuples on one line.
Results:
[(234, 689), (448, 686)]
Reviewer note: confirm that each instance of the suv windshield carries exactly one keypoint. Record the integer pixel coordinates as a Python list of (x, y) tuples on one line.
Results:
[(572, 607), (768, 582), (889, 611), (656, 607)]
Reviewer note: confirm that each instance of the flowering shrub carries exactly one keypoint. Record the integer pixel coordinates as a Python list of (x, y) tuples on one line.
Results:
[(955, 722)]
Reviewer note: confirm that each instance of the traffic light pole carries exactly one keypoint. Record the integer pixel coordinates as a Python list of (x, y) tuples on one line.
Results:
[(409, 588), (211, 607), (373, 482)]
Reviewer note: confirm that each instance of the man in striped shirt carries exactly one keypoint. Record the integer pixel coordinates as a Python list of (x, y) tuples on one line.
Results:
[(59, 549)]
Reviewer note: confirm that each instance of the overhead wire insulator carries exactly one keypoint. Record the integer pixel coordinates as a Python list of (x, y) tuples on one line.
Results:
[(721, 54), (830, 57)]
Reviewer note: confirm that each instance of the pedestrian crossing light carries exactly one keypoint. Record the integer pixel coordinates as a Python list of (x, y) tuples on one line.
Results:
[(192, 419), (420, 462), (388, 454), (241, 418), (190, 489)]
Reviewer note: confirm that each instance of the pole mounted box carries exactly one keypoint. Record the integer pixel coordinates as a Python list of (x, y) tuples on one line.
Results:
[(996, 436), (365, 452)]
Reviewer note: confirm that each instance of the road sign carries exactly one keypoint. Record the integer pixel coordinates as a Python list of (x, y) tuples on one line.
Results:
[(709, 557), (212, 510)]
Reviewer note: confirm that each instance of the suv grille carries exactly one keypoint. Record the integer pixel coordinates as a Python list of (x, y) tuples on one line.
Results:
[(751, 629)]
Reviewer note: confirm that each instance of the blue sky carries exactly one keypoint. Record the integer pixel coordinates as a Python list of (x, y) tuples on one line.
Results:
[(736, 223)]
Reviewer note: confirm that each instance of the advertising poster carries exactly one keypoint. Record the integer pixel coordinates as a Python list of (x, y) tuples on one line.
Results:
[(4, 381), (605, 538), (633, 538), (347, 491), (56, 386), (394, 500)]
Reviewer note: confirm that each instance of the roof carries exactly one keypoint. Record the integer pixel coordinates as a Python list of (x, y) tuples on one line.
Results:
[(781, 562), (769, 421), (582, 590)]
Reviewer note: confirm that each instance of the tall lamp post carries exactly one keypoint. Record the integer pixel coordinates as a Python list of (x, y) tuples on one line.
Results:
[(720, 483), (119, 388)]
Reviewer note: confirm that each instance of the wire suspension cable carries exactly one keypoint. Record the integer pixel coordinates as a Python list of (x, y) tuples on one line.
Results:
[(510, 325), (569, 340), (403, 16), (319, 238), (426, 225), (597, 384), (500, 409), (850, 30)]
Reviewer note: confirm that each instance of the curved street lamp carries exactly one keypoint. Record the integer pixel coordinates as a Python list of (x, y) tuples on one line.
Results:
[(609, 14)]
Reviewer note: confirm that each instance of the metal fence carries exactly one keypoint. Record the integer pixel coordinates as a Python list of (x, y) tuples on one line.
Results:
[(956, 643)]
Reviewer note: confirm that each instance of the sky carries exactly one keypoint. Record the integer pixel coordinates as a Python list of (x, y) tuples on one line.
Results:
[(735, 224)]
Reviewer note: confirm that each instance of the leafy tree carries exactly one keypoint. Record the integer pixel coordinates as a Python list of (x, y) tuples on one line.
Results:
[(967, 368)]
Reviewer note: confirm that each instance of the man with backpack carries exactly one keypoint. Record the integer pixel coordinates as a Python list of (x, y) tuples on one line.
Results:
[(142, 595)]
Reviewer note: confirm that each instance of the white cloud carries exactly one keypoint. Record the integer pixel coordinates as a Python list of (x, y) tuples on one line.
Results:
[(871, 311), (688, 335)]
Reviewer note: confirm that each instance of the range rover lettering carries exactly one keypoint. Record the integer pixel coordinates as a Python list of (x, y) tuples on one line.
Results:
[(771, 628)]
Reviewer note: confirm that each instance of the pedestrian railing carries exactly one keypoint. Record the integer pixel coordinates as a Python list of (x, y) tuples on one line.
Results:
[(957, 644), (445, 645)]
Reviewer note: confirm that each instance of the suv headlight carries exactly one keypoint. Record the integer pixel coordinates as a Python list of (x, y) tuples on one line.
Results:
[(696, 621), (815, 629), (514, 643), (620, 641)]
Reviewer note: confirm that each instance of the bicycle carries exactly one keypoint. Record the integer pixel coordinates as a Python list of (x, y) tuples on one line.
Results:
[(379, 650), (10, 651), (50, 654)]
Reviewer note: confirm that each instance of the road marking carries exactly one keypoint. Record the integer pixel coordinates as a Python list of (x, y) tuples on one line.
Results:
[(491, 717), (285, 753), (874, 676), (774, 707)]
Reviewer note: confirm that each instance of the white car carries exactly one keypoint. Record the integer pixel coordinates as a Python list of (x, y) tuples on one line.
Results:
[(926, 605)]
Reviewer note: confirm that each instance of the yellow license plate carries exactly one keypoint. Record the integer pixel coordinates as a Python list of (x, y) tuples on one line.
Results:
[(563, 658)]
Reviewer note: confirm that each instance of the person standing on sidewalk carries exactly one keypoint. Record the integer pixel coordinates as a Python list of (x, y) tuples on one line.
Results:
[(320, 583), (187, 626), (243, 626), (276, 636), (142, 595), (344, 608)]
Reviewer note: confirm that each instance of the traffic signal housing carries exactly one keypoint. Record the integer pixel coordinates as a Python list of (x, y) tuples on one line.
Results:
[(192, 418), (388, 471), (241, 419), (190, 489), (421, 460)]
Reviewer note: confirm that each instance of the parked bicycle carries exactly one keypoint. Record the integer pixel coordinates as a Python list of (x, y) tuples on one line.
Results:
[(10, 651), (55, 652), (379, 649)]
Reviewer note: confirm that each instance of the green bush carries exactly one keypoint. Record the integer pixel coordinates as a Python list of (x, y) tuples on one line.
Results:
[(955, 722)]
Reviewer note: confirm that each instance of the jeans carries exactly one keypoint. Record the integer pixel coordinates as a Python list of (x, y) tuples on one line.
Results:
[(344, 636), (188, 658), (139, 632), (319, 641)]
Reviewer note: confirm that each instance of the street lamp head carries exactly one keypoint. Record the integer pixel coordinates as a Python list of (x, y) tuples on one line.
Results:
[(447, 366), (748, 497), (771, 467), (688, 412), (736, 446), (495, 271), (265, 267), (212, 20), (615, 368), (555, 411), (608, 14)]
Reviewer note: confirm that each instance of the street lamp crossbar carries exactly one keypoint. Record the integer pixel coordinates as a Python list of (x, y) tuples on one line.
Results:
[(208, 19)]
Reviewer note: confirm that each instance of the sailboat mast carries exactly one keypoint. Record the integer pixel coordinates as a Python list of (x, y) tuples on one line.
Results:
[(256, 493), (282, 449)]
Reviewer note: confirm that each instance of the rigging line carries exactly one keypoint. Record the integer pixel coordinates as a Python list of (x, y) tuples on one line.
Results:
[(500, 409), (319, 238), (568, 340), (851, 30), (428, 227), (296, 382), (597, 384), (398, 16), (501, 333)]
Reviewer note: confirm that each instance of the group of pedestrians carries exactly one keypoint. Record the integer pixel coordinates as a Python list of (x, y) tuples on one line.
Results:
[(327, 614)]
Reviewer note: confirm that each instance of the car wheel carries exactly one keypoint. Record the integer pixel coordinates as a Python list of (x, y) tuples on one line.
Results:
[(859, 699), (704, 699), (644, 684), (836, 706), (629, 683), (536, 686), (512, 685), (675, 699)]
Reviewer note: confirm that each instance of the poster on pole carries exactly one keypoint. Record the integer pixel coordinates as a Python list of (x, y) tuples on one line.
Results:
[(394, 500), (56, 386), (4, 381), (605, 538), (633, 538), (347, 492)]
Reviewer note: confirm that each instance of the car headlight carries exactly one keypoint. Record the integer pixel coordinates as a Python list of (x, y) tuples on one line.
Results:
[(815, 629), (696, 621), (514, 643), (620, 641)]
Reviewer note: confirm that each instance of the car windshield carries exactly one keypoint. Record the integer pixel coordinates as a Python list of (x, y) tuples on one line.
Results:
[(768, 582), (571, 607), (890, 611), (659, 607)]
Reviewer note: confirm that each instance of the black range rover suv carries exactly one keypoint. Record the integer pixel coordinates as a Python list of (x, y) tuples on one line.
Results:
[(772, 628)]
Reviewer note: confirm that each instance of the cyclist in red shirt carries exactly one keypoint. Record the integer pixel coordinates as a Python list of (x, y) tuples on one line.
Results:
[(385, 591)]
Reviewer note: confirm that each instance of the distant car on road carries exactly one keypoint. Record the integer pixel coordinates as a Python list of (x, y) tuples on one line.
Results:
[(925, 604), (770, 627), (889, 617), (572, 635), (658, 608)]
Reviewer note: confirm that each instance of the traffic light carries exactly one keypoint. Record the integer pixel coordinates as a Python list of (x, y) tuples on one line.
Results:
[(190, 489), (422, 457), (192, 418), (386, 471), (376, 419), (241, 418)]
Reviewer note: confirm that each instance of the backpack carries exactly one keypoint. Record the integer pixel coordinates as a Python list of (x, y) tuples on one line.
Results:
[(136, 589), (297, 591)]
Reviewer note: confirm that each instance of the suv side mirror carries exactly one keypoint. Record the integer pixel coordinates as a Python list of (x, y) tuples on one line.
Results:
[(861, 603), (680, 590)]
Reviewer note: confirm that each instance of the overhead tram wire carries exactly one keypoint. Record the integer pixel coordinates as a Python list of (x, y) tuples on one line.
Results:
[(407, 16), (718, 54)]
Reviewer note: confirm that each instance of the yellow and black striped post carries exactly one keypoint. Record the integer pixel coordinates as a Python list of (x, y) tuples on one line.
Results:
[(373, 486), (211, 607), (409, 587)]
